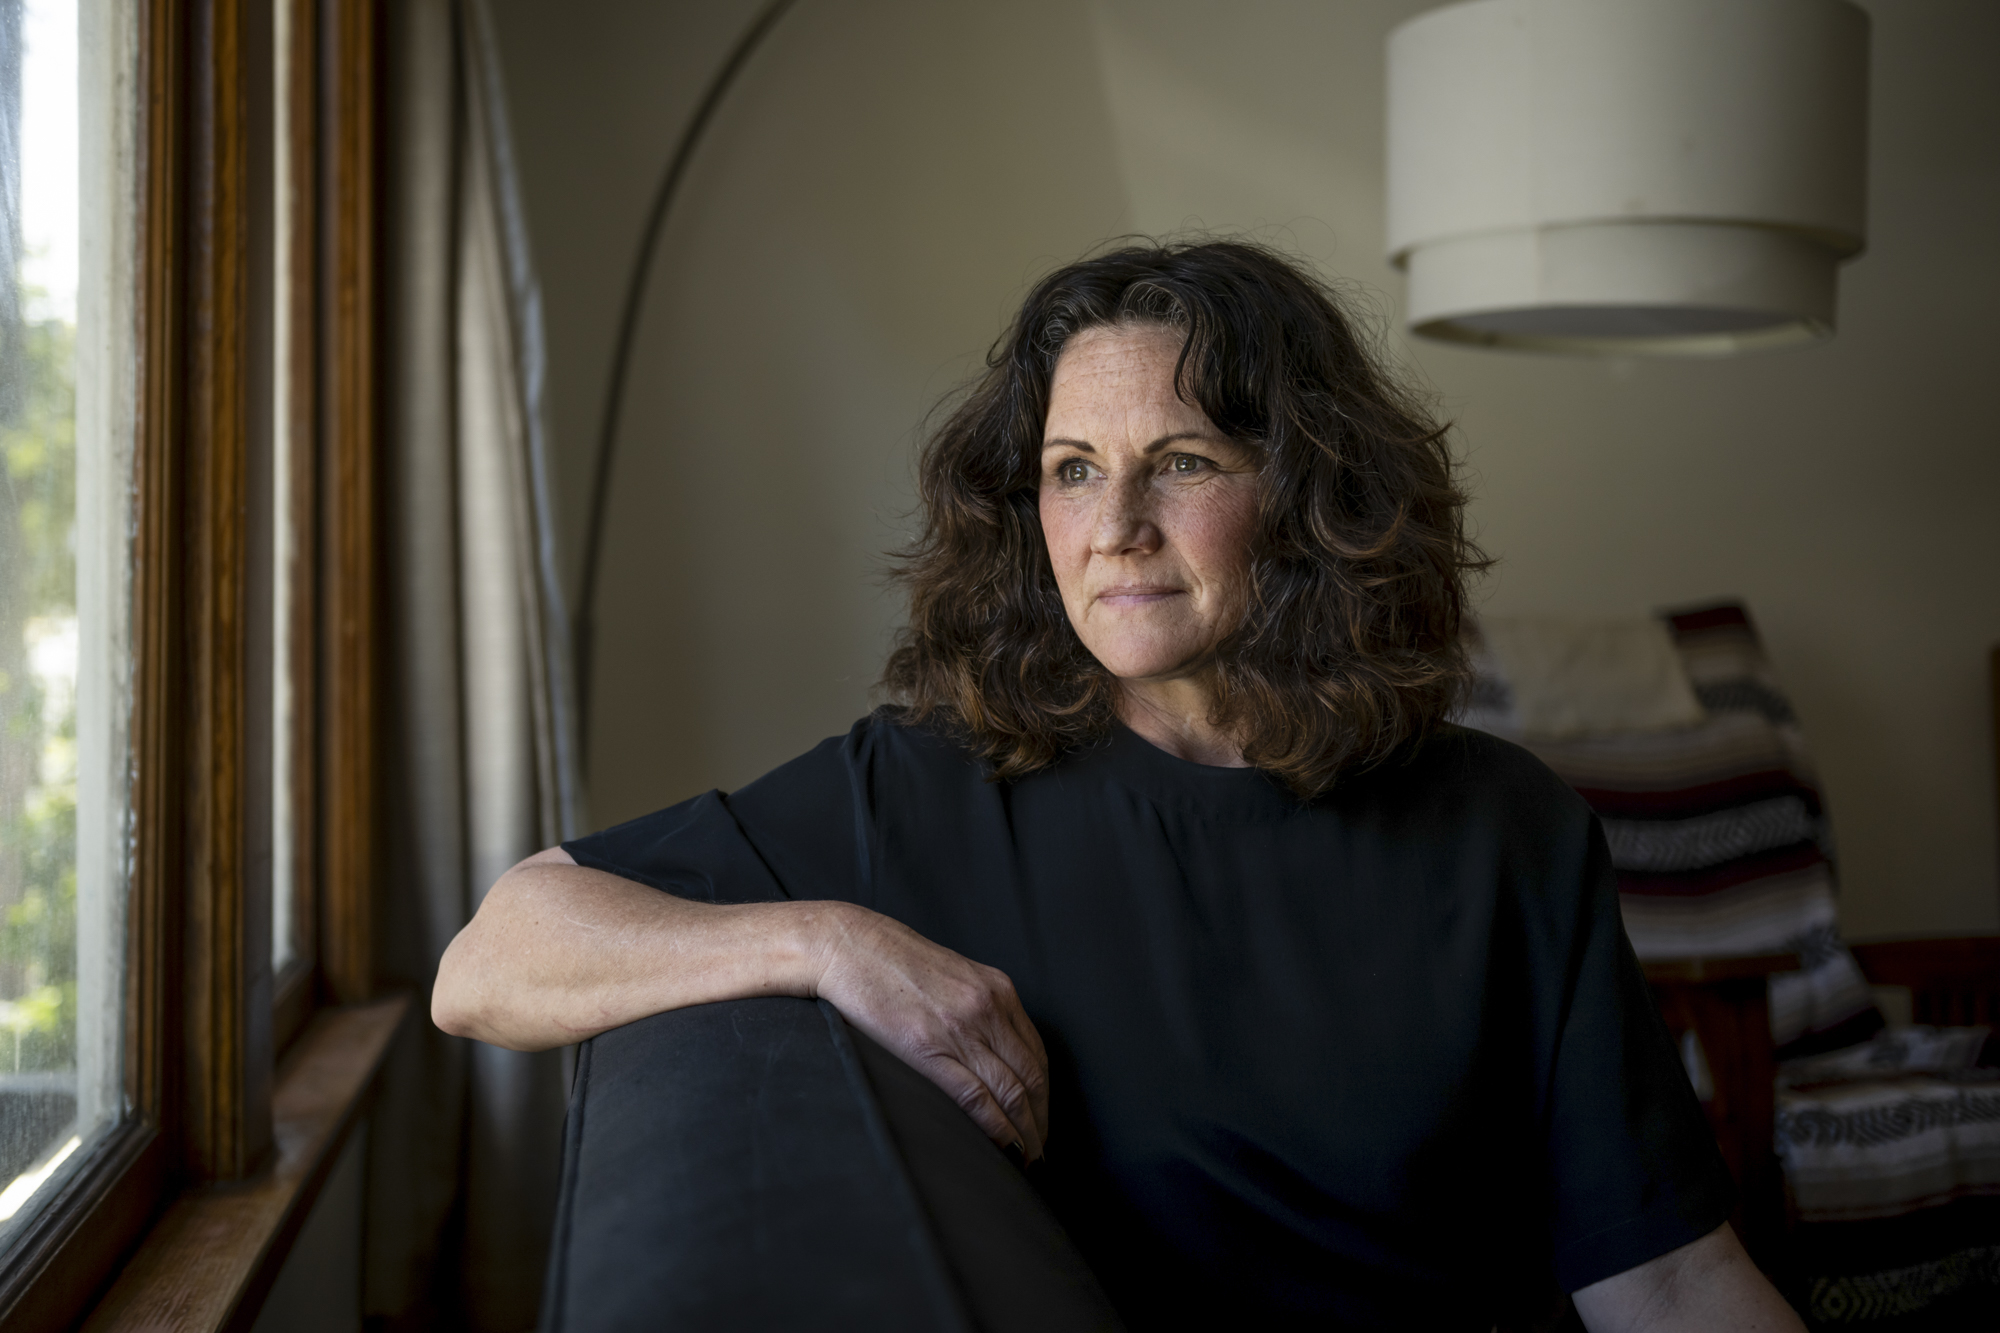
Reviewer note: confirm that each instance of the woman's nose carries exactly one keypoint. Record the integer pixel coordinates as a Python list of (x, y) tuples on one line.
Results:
[(1124, 523)]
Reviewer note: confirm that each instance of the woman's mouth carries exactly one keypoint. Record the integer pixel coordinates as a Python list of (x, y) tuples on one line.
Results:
[(1138, 594)]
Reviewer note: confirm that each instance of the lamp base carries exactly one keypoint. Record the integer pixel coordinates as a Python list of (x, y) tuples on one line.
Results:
[(1659, 288)]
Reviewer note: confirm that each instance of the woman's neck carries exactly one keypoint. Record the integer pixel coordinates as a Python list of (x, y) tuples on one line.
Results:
[(1174, 716)]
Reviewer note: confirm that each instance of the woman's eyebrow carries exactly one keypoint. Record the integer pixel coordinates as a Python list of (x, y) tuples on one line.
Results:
[(1206, 437), (1084, 446)]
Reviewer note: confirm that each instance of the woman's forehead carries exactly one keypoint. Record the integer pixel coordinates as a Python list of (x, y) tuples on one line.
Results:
[(1109, 373), (1110, 346)]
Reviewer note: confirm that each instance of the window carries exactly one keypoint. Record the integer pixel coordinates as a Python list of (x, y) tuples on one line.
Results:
[(187, 585), (65, 527)]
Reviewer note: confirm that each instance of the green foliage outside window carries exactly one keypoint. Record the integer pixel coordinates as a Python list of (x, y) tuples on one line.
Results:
[(37, 710)]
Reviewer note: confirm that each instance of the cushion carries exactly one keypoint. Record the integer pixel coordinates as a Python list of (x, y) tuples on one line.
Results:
[(757, 1164), (1572, 677)]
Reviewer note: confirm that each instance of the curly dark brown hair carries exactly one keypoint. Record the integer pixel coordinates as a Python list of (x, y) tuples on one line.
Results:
[(1349, 646)]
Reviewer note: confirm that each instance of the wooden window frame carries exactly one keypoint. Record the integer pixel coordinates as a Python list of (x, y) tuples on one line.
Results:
[(206, 1023)]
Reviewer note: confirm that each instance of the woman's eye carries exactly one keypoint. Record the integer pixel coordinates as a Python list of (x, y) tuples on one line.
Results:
[(1185, 463), (1073, 473)]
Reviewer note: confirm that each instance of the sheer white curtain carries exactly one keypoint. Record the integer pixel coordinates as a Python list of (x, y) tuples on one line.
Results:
[(466, 1145)]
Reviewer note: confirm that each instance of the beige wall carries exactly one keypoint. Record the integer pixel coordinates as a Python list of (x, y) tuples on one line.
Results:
[(891, 173)]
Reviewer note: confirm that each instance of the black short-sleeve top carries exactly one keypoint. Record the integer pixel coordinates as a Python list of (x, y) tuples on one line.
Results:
[(1380, 1059)]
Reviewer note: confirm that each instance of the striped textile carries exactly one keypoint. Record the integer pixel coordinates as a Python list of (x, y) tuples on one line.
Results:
[(1882, 1148), (1930, 1293), (1933, 1269), (1905, 1120), (1717, 830)]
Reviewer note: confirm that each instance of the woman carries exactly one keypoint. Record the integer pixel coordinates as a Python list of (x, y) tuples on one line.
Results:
[(1168, 845)]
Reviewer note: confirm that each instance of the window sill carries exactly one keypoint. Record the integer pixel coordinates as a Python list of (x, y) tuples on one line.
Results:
[(212, 1256)]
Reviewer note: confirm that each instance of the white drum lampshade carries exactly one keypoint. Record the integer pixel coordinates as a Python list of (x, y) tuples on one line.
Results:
[(1627, 176)]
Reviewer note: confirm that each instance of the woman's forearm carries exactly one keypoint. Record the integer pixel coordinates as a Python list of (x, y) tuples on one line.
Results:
[(1706, 1286), (558, 953)]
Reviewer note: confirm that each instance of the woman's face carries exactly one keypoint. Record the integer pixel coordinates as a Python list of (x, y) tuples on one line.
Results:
[(1147, 508)]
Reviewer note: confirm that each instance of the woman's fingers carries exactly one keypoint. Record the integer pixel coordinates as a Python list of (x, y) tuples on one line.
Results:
[(962, 1061), (1017, 1075), (969, 1048), (1033, 1065), (1012, 1090), (978, 1098), (957, 1022)]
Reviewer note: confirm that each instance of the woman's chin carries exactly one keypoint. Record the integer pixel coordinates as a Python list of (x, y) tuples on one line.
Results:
[(1151, 645), (1142, 670)]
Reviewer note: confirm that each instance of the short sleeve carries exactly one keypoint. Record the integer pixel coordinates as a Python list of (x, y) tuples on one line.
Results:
[(795, 833), (1636, 1172)]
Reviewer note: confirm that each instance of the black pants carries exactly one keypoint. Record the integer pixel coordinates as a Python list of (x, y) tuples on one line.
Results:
[(757, 1164)]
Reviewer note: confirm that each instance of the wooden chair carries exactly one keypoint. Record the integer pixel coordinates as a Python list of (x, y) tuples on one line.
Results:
[(1952, 982)]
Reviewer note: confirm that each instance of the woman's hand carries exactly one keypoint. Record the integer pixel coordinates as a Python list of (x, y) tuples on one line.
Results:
[(957, 1022)]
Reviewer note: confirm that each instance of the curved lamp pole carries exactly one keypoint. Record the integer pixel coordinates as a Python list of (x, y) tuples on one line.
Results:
[(628, 328)]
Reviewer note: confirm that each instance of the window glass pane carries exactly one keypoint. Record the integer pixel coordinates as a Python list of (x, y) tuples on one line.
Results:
[(65, 366)]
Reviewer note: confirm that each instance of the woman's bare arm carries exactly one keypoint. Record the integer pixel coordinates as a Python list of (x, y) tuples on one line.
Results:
[(1706, 1286), (558, 953)]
